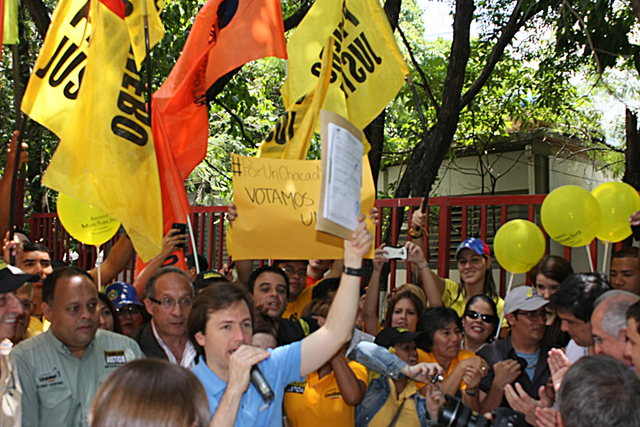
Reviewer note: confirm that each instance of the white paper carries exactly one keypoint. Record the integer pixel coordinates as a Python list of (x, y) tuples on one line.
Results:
[(343, 180)]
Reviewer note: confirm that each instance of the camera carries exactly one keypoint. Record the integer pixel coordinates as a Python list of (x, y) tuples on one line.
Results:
[(395, 252), (457, 414)]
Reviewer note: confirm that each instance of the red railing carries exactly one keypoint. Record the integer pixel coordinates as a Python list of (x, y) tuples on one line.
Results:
[(451, 220)]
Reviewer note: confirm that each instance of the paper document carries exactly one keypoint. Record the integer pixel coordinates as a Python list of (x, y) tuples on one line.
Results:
[(343, 178)]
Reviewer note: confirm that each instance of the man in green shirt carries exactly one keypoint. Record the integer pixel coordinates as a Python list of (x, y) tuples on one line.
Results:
[(62, 369)]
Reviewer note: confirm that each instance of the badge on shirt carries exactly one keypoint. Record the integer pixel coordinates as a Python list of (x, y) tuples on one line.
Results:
[(296, 387), (50, 379), (332, 394), (115, 357)]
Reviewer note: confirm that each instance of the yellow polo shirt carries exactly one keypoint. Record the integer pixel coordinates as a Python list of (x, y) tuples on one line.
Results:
[(317, 402), (294, 309), (458, 301), (409, 414), (462, 355)]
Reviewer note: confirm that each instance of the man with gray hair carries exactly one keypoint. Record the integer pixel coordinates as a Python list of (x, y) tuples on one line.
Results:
[(609, 324), (599, 391), (168, 297)]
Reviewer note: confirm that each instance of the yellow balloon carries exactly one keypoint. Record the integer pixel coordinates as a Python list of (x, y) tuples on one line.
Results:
[(618, 201), (519, 245), (571, 216), (85, 223)]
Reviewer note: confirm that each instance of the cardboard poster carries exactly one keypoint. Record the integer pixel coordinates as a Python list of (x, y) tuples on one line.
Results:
[(277, 203)]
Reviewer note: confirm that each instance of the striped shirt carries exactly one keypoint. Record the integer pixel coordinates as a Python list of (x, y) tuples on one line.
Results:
[(11, 415)]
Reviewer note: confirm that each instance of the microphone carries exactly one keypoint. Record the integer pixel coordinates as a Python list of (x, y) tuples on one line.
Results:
[(260, 382)]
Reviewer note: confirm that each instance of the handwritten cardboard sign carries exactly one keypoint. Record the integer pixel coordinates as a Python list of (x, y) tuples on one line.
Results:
[(277, 204)]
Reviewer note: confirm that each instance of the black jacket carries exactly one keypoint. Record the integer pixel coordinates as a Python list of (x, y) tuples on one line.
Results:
[(148, 343)]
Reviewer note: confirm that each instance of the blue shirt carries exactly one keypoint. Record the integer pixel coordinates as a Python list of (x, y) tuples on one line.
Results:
[(532, 362), (280, 369)]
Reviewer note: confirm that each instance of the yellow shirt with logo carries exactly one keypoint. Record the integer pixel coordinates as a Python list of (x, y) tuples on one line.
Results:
[(408, 416), (317, 402), (462, 355), (294, 309), (457, 300)]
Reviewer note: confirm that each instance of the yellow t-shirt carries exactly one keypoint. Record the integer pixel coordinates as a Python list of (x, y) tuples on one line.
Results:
[(294, 309), (462, 355), (408, 415), (318, 402), (458, 302)]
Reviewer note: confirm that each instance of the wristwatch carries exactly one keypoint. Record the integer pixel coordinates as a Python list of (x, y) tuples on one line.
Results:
[(353, 271)]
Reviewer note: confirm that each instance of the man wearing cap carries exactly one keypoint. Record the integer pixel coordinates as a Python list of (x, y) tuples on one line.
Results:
[(128, 308), (396, 400), (10, 308), (518, 363), (61, 370), (207, 278)]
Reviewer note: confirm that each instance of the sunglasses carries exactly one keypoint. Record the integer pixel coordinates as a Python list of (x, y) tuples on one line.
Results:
[(486, 318)]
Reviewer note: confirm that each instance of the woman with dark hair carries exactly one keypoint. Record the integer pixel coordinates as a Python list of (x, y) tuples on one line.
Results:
[(108, 318), (463, 369), (150, 393), (480, 322), (474, 264), (546, 278)]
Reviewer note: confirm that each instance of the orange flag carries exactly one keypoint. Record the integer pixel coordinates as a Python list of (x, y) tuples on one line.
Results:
[(225, 35)]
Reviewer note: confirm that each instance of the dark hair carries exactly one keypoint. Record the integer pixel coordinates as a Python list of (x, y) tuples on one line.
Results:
[(598, 391), (150, 286), (32, 247), (318, 307), (396, 298), (265, 324), (116, 320), (553, 267), (266, 269), (492, 304), (627, 252), (212, 299), (489, 287), (150, 393), (434, 319), (202, 262), (634, 311), (321, 289), (49, 283), (277, 262), (578, 294)]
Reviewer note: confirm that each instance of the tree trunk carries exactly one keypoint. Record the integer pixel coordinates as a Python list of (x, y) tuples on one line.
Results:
[(40, 15), (632, 152), (431, 151)]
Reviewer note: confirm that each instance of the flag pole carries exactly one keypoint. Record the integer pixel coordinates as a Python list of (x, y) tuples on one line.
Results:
[(193, 243), (423, 208), (148, 57), (21, 122)]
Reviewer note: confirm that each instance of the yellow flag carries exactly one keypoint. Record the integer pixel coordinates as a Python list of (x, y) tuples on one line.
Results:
[(53, 87), (291, 136), (106, 156), (135, 24), (10, 34), (368, 69)]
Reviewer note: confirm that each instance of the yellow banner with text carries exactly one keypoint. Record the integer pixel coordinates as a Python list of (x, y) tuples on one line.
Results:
[(277, 203)]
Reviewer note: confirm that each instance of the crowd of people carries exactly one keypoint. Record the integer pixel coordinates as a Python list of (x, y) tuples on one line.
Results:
[(302, 342)]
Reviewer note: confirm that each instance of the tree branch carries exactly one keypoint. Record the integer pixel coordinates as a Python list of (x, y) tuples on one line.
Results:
[(513, 26), (423, 77), (240, 122)]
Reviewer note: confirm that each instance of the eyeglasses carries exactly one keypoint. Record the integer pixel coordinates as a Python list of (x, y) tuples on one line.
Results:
[(129, 309), (486, 318), (301, 272), (534, 316), (168, 303)]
